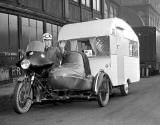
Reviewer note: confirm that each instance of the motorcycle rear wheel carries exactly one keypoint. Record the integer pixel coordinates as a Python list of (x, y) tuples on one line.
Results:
[(22, 97)]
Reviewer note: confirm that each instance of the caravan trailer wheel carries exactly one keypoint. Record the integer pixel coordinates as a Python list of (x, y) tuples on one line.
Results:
[(124, 89)]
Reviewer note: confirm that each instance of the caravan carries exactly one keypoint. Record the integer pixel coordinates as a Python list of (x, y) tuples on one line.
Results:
[(111, 46), (103, 54)]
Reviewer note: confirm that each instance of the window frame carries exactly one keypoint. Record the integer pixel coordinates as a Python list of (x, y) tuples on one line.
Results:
[(96, 8), (77, 1), (133, 49), (87, 3)]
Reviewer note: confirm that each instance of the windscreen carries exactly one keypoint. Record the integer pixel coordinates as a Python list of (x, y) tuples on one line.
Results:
[(35, 46), (73, 57)]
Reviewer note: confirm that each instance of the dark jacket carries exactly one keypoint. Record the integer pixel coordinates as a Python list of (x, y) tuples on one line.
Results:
[(54, 54)]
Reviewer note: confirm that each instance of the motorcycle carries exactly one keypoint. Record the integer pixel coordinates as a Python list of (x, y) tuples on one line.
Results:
[(31, 87), (71, 81)]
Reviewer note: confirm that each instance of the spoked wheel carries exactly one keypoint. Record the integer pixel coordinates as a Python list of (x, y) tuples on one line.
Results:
[(22, 97), (103, 93), (124, 89)]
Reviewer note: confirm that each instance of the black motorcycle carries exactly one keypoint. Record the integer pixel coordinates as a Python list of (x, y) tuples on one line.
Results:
[(71, 81), (31, 87)]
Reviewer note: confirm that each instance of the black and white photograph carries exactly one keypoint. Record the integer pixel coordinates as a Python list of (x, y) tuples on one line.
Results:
[(79, 62)]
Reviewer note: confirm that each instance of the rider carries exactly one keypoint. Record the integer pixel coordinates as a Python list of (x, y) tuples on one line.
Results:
[(52, 52)]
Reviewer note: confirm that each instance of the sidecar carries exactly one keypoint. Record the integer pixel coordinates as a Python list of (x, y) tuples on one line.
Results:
[(73, 80)]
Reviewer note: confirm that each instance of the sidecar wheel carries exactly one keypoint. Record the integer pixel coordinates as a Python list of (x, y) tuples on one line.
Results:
[(21, 98), (103, 93)]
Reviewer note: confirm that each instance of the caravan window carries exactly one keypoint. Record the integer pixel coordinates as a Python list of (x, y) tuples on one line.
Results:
[(100, 46), (133, 49), (96, 46)]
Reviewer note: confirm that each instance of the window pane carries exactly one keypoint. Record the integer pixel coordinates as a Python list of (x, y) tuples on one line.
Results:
[(88, 3), (100, 46), (25, 21), (39, 24), (13, 32), (25, 33), (59, 28), (94, 4), (53, 29), (115, 12), (111, 11), (105, 10), (48, 28), (54, 33), (84, 2), (133, 48), (32, 23), (39, 30), (32, 30), (4, 42), (98, 5), (76, 0)]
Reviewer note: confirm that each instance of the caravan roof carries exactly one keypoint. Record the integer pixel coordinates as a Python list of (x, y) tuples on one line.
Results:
[(95, 28)]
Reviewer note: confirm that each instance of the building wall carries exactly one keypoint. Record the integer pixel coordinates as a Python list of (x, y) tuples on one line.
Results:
[(154, 18), (22, 21), (111, 8), (132, 2), (146, 10), (80, 11)]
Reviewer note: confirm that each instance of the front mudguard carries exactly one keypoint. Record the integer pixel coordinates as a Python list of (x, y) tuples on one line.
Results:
[(98, 81), (21, 78)]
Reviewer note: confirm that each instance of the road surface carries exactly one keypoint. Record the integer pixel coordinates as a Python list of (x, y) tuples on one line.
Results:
[(140, 107)]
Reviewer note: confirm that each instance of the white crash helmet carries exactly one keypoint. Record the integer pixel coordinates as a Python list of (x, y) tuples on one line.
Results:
[(47, 36)]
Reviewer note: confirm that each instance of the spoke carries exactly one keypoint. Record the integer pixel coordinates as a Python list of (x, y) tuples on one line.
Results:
[(24, 95)]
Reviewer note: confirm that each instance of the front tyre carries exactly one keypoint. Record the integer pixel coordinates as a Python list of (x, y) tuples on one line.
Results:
[(103, 92), (22, 97)]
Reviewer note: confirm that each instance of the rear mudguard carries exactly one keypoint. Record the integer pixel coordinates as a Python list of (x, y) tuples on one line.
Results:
[(98, 81)]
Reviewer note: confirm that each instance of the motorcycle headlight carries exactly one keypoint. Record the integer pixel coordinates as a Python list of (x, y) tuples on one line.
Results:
[(25, 64), (42, 55)]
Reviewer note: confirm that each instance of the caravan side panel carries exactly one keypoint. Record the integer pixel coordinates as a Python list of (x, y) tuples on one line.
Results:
[(114, 70), (131, 69)]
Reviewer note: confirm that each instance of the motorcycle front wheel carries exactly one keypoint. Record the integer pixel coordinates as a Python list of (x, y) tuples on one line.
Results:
[(22, 97)]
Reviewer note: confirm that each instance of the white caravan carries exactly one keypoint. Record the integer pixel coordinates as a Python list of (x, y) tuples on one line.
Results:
[(111, 46)]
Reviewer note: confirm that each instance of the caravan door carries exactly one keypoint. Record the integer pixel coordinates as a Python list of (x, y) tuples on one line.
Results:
[(119, 49)]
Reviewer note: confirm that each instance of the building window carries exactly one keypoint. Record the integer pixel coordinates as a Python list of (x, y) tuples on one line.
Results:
[(31, 30), (54, 30), (96, 5), (76, 1), (105, 10), (115, 12), (111, 13), (9, 39), (86, 3)]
